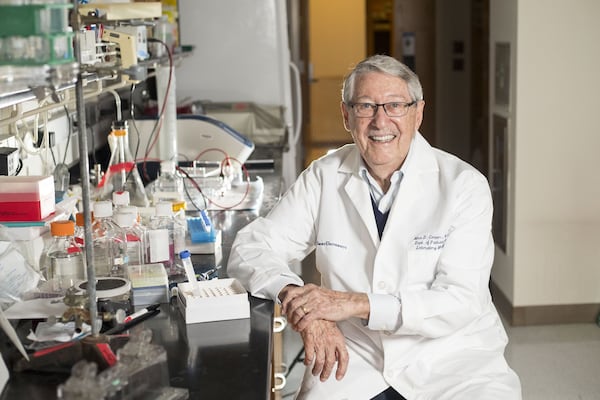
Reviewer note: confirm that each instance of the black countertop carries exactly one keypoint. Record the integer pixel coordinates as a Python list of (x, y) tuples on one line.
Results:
[(213, 360)]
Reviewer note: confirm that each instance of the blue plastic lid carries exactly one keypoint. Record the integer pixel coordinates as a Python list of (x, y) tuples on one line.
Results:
[(184, 254)]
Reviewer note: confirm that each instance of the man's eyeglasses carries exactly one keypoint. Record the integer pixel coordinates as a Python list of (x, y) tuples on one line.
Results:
[(393, 109)]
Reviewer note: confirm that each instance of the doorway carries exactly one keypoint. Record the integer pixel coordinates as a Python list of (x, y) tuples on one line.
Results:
[(336, 34)]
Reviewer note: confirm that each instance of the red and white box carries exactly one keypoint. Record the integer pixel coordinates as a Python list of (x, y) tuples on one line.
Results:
[(26, 198)]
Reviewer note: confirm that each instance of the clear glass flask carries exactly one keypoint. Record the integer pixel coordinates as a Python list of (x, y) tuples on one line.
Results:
[(169, 185), (122, 173)]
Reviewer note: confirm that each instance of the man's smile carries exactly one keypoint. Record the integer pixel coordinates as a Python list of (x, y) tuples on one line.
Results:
[(382, 138)]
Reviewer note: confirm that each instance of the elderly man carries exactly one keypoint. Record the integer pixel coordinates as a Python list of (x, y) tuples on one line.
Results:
[(402, 238)]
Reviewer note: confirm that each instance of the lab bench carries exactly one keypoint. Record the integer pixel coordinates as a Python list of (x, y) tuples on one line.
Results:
[(229, 359)]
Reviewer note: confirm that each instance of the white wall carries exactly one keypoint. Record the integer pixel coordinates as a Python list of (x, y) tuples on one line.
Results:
[(241, 51), (554, 251)]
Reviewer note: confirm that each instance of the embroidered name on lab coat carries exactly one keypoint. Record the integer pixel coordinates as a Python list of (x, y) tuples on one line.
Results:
[(327, 243), (430, 241)]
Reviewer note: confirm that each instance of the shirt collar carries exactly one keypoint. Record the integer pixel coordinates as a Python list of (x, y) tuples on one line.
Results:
[(398, 174)]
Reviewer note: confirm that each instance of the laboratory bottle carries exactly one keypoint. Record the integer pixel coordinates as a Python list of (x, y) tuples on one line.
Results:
[(79, 234), (63, 258), (169, 185), (122, 173), (179, 208), (165, 239), (134, 234), (109, 242), (80, 227)]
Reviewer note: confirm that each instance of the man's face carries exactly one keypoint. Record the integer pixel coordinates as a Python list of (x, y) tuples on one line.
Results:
[(383, 141)]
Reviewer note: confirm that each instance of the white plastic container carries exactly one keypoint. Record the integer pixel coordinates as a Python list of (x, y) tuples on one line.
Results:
[(219, 299)]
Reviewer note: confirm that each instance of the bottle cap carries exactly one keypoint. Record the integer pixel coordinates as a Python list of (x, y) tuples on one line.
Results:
[(79, 219), (164, 209), (120, 198), (125, 219), (62, 228), (184, 254), (119, 128), (129, 209), (179, 205), (103, 209)]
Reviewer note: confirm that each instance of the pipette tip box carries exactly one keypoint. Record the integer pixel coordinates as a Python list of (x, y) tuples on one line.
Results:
[(217, 300), (149, 284), (26, 198)]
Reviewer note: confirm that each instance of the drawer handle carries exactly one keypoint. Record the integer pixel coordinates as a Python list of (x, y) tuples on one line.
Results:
[(280, 381), (279, 324)]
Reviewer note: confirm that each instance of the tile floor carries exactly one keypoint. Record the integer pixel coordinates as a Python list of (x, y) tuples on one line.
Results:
[(554, 361)]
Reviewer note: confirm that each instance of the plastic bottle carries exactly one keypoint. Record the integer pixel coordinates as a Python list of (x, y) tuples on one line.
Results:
[(109, 242), (165, 239), (169, 185), (122, 173), (64, 261), (134, 234)]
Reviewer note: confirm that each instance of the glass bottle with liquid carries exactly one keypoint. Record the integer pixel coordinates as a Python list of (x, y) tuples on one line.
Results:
[(63, 258), (122, 173), (134, 234), (109, 242)]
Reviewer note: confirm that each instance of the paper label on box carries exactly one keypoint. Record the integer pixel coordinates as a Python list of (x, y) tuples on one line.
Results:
[(158, 242)]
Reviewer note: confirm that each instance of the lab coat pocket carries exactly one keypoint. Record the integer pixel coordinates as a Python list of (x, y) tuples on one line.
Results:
[(422, 266)]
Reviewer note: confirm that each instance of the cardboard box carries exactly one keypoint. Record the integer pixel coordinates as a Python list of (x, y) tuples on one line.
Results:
[(26, 198), (218, 300)]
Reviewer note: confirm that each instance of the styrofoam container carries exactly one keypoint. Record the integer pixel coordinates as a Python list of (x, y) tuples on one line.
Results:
[(26, 198), (217, 300)]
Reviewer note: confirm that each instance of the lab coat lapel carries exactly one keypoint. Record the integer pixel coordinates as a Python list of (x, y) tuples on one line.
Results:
[(411, 192), (358, 193)]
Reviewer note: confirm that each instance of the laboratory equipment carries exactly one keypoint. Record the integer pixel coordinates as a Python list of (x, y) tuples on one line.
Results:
[(26, 198), (166, 238), (63, 265), (79, 234), (149, 284), (122, 173), (169, 185), (266, 76), (140, 372), (109, 242), (134, 235), (202, 138), (218, 299), (120, 198), (186, 259)]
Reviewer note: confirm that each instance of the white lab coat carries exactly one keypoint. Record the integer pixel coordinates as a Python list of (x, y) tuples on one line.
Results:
[(446, 340)]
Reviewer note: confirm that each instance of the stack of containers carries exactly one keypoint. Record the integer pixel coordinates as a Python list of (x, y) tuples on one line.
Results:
[(33, 37)]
